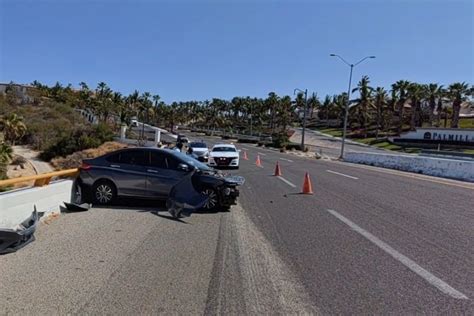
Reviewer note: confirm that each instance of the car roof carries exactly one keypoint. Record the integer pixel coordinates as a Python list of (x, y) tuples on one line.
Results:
[(224, 145), (163, 150)]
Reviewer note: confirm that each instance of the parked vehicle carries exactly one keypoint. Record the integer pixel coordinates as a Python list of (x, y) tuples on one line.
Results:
[(182, 139), (152, 173), (199, 151), (224, 155)]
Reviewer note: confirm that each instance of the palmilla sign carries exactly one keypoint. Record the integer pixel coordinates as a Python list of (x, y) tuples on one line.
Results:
[(446, 136)]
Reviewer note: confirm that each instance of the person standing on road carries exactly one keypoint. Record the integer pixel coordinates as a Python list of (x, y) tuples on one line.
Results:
[(179, 147)]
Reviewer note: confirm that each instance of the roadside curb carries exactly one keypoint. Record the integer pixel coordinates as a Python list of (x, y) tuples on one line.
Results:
[(339, 138)]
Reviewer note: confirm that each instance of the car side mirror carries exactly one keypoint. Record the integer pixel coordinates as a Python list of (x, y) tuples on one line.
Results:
[(183, 167), (239, 150)]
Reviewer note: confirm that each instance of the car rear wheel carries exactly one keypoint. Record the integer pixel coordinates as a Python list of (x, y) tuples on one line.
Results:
[(213, 199), (104, 192)]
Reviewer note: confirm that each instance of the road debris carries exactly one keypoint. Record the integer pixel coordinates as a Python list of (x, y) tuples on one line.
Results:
[(18, 237)]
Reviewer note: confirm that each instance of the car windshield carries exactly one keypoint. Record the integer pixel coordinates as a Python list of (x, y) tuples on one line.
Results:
[(191, 161), (228, 149), (198, 145)]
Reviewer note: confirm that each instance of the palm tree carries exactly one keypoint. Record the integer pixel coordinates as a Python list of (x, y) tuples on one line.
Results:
[(433, 93), (313, 103), (457, 93), (6, 155), (103, 101), (365, 102), (284, 115), (439, 106), (13, 128), (271, 103), (156, 99), (325, 109), (84, 95), (122, 106), (415, 93), (145, 106), (381, 101), (400, 87)]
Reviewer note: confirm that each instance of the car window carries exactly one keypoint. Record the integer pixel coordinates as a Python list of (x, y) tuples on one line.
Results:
[(172, 162), (133, 157), (158, 160), (191, 161), (113, 158), (198, 145), (228, 149)]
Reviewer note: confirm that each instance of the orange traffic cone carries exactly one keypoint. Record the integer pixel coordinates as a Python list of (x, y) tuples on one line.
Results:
[(245, 156), (307, 186), (258, 162), (277, 170)]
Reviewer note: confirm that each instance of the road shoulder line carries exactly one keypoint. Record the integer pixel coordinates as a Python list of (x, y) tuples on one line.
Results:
[(342, 174), (407, 262), (286, 181), (406, 174)]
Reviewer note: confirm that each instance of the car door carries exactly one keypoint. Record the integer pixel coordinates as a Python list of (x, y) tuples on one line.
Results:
[(129, 172), (162, 174)]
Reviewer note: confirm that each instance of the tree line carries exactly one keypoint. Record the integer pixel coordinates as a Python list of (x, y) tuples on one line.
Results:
[(406, 105)]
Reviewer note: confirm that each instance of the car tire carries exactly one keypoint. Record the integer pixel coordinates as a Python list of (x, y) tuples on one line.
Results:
[(213, 202), (104, 192)]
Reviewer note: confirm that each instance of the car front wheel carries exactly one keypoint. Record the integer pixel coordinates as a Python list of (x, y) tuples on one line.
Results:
[(213, 199)]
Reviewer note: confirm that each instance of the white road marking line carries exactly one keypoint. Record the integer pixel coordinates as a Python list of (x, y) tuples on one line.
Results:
[(342, 174), (408, 175), (261, 153), (286, 181), (289, 160), (410, 264)]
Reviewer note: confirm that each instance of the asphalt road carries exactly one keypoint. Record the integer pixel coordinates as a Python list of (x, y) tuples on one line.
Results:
[(368, 241), (330, 146)]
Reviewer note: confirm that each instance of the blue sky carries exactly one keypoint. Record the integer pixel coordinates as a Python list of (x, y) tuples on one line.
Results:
[(185, 50)]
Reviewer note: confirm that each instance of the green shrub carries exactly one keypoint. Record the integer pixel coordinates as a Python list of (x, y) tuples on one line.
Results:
[(80, 139), (247, 141), (293, 146), (279, 140)]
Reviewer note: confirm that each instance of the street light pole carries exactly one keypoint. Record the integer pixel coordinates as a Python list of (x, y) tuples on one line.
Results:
[(304, 114), (346, 114)]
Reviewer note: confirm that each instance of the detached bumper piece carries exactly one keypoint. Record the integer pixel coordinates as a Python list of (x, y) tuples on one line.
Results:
[(73, 207), (12, 240), (183, 199)]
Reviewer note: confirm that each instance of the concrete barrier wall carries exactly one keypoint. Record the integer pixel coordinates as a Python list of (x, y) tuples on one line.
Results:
[(439, 167), (17, 205)]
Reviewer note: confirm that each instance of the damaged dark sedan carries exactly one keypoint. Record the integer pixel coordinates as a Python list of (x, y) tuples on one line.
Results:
[(159, 174)]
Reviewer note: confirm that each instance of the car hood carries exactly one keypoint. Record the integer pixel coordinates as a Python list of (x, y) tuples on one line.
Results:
[(227, 154), (200, 150), (228, 178)]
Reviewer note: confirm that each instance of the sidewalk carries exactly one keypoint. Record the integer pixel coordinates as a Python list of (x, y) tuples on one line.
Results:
[(32, 156)]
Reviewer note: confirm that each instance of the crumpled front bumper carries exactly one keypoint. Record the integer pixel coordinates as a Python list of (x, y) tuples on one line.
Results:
[(12, 240)]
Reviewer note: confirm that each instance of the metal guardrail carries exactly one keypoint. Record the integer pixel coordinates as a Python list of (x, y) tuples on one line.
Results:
[(40, 179)]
